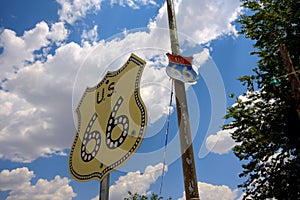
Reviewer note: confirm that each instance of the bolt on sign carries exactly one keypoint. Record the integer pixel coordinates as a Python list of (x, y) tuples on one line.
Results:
[(112, 121)]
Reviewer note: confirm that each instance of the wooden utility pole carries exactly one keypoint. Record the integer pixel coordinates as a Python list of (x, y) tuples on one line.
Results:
[(188, 163), (293, 78)]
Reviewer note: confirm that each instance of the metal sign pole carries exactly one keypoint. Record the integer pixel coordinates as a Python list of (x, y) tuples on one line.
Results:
[(188, 164), (104, 188)]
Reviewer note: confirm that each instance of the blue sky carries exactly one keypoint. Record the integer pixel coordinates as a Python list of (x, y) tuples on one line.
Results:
[(51, 50)]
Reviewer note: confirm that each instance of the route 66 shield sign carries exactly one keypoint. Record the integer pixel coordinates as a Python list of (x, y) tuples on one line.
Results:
[(112, 120), (180, 68)]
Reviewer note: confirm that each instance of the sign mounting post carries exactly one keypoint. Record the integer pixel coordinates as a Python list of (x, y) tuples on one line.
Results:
[(188, 163), (104, 188)]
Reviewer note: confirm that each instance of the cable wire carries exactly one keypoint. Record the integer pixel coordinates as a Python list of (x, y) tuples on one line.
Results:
[(166, 139)]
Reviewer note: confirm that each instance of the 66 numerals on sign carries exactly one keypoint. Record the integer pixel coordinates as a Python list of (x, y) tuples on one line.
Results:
[(113, 121), (181, 72)]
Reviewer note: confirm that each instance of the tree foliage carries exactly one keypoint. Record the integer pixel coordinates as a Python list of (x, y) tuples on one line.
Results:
[(137, 196), (265, 120)]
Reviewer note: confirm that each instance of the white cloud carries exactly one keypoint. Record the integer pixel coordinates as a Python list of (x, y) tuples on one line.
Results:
[(37, 37), (135, 4), (17, 181), (16, 178), (58, 32), (213, 192), (31, 123), (90, 35), (221, 142), (72, 10), (9, 59), (18, 50), (201, 58), (135, 182), (203, 20)]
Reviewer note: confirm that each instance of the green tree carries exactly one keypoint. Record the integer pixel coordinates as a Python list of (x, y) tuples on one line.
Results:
[(265, 120), (137, 196)]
